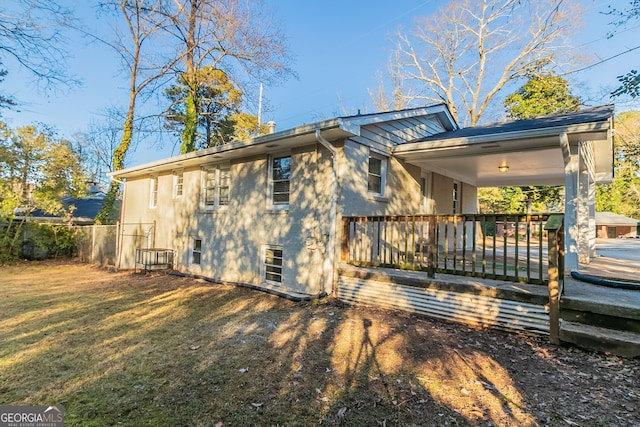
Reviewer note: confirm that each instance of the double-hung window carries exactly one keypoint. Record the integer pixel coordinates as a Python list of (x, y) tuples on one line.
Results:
[(178, 184), (196, 251), (376, 176), (272, 258), (153, 192), (216, 187), (456, 197), (280, 181), (425, 191)]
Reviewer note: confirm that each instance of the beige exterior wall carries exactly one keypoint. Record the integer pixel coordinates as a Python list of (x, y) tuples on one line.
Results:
[(442, 194), (233, 237), (401, 194), (469, 199)]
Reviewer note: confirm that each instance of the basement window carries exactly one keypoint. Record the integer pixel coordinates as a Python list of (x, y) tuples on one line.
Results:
[(272, 257), (196, 252)]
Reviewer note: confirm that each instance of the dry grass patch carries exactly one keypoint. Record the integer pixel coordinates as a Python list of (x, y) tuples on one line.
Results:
[(135, 350)]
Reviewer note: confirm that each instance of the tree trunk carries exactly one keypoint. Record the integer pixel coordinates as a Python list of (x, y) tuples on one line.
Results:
[(118, 163), (188, 136)]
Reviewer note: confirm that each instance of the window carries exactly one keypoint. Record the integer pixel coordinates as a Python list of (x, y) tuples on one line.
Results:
[(223, 186), (178, 184), (280, 180), (377, 174), (272, 264), (153, 192), (196, 251), (216, 187), (425, 191), (456, 196)]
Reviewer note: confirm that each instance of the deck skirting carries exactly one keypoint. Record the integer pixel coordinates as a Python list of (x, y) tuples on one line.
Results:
[(447, 304)]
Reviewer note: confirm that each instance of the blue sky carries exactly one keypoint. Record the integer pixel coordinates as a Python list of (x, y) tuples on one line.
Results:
[(338, 47)]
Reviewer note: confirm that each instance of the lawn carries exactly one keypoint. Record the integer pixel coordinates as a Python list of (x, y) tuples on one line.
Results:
[(117, 348)]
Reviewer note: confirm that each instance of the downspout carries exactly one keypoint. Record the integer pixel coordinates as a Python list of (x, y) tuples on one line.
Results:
[(330, 263)]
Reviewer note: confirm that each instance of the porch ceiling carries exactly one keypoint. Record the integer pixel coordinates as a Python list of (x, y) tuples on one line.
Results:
[(534, 154), (542, 167)]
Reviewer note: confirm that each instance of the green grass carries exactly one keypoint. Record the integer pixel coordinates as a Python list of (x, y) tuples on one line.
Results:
[(133, 350)]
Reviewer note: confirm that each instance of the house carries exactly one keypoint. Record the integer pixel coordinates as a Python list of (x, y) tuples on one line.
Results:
[(43, 236), (610, 225), (267, 212), (83, 210)]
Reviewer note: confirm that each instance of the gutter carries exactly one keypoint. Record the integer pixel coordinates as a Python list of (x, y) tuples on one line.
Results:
[(330, 264), (228, 149), (496, 137)]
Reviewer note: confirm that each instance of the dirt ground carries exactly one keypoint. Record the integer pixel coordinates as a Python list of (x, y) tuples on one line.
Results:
[(264, 360)]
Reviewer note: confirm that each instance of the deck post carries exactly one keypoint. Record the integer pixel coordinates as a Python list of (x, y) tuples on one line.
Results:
[(432, 243), (556, 275), (344, 247)]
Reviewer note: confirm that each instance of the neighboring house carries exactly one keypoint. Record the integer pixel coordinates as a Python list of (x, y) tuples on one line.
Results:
[(267, 211), (610, 225), (85, 209)]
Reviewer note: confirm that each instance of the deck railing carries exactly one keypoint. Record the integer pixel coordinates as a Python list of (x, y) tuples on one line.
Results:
[(502, 247)]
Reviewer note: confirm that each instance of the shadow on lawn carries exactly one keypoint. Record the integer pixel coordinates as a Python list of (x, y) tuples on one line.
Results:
[(161, 350)]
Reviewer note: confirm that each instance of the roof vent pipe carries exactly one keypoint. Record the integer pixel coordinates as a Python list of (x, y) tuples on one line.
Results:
[(272, 126)]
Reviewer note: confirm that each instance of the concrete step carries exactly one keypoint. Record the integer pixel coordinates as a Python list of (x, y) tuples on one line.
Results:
[(620, 343), (611, 319)]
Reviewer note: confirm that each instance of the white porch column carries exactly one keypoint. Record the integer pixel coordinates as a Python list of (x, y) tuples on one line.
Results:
[(587, 200), (571, 203), (584, 210), (580, 197)]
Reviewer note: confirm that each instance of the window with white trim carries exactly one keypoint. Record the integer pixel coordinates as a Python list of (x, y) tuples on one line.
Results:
[(280, 181), (272, 258), (216, 186), (153, 192), (456, 197), (178, 183), (196, 251), (425, 191), (376, 177)]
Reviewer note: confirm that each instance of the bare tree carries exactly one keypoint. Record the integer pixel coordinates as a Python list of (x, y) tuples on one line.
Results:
[(236, 37), (95, 146), (465, 53), (400, 96), (217, 33), (32, 34), (139, 50)]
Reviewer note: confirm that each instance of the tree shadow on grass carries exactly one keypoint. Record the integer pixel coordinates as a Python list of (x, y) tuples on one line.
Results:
[(137, 350)]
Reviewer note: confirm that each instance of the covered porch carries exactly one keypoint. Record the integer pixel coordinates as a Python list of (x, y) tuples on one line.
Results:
[(504, 271), (572, 150)]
